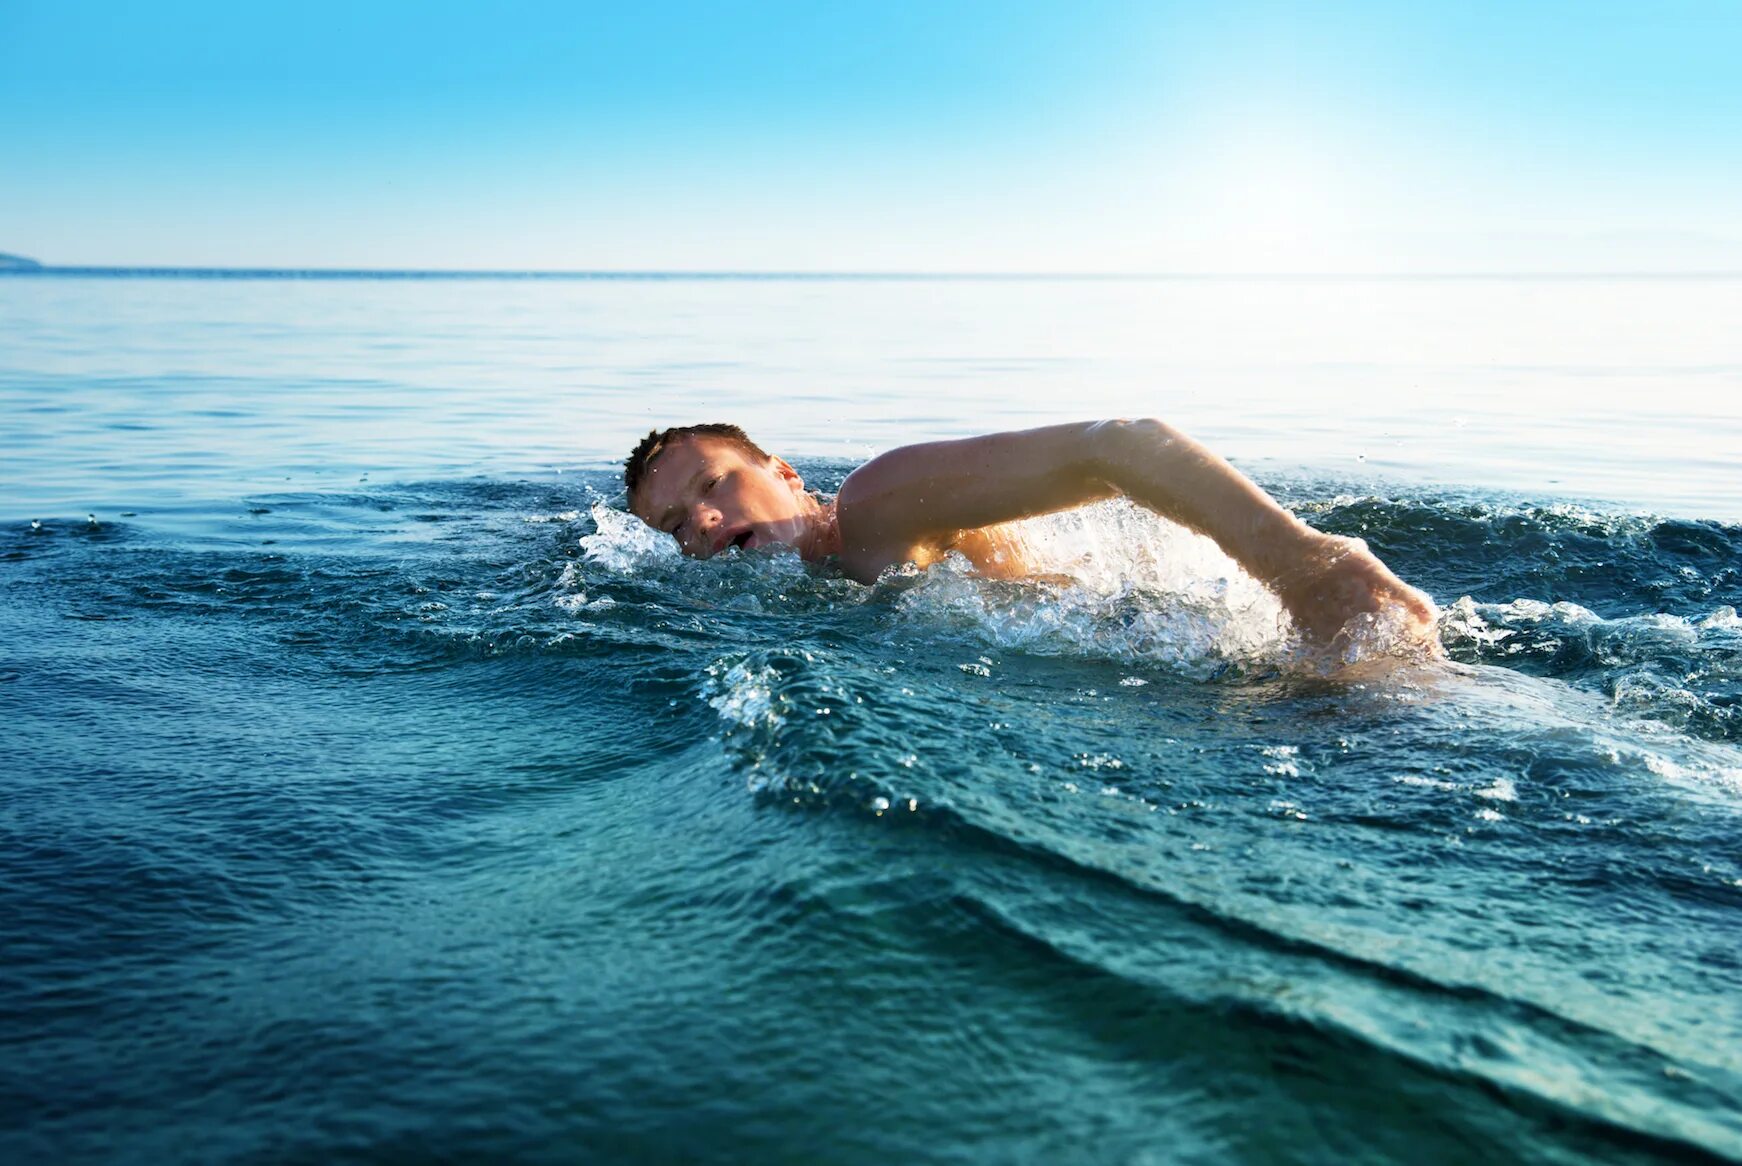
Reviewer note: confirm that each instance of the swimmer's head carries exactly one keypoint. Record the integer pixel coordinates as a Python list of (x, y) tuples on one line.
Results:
[(711, 488), (655, 443)]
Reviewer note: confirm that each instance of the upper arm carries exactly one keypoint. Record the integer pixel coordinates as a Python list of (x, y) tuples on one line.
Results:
[(921, 495)]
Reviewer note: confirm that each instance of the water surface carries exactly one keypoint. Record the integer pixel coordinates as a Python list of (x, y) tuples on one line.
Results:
[(376, 789)]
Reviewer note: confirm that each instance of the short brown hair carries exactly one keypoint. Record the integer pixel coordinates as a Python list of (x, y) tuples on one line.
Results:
[(654, 444)]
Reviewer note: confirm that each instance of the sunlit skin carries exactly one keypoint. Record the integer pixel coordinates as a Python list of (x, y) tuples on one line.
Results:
[(712, 496), (921, 502)]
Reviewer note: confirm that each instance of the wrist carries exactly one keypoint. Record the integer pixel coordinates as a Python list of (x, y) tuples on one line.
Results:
[(1288, 552)]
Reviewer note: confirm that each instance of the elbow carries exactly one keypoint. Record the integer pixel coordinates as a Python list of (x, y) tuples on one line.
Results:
[(1120, 445)]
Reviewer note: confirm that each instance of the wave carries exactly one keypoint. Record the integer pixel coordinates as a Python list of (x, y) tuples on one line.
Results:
[(1514, 874)]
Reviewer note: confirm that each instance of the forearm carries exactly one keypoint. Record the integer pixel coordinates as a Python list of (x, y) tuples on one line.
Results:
[(1324, 581), (1182, 480)]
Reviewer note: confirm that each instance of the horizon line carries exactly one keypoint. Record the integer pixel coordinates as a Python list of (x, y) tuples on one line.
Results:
[(171, 271)]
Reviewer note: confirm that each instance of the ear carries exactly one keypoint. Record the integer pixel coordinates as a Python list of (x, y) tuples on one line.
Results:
[(788, 475)]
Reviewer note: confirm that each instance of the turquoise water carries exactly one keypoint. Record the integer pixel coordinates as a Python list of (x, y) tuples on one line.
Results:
[(376, 789)]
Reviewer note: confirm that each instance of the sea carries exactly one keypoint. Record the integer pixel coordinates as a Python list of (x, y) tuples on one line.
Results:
[(373, 788)]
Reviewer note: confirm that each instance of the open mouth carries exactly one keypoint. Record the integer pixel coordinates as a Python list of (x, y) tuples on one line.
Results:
[(742, 540)]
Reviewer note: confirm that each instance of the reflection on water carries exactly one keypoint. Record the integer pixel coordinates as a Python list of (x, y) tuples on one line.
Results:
[(116, 392)]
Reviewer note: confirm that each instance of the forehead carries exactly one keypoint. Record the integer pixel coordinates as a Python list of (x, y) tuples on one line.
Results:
[(674, 467)]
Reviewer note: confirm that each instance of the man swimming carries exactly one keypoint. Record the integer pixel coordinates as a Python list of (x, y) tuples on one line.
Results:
[(713, 489)]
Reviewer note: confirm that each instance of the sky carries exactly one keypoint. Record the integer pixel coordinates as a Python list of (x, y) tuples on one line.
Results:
[(835, 135)]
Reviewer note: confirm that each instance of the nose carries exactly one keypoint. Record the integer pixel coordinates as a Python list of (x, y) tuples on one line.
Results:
[(703, 520)]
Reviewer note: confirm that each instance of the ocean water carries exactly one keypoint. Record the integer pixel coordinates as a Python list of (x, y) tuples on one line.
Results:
[(375, 789)]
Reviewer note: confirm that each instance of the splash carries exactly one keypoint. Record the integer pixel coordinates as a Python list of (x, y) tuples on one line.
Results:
[(621, 542), (1682, 671), (1115, 582), (1111, 581), (1380, 638)]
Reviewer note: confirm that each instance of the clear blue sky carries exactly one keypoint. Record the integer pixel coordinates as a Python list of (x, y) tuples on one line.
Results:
[(1003, 136)]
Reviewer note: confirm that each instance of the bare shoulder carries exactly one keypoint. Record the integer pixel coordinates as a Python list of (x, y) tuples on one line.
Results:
[(916, 503), (885, 514), (877, 513), (870, 542), (882, 476)]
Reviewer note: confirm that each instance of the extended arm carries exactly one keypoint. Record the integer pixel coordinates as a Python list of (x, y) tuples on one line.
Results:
[(923, 494)]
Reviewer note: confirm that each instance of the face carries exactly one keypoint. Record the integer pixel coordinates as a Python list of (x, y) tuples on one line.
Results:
[(712, 496)]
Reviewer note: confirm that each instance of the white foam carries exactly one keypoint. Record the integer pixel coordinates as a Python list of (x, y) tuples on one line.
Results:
[(1117, 583), (743, 695), (623, 543), (1425, 782), (1723, 619), (1626, 640), (1702, 772), (1112, 581), (1502, 790)]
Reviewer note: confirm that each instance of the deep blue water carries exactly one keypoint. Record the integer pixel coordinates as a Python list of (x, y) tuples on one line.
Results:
[(372, 794)]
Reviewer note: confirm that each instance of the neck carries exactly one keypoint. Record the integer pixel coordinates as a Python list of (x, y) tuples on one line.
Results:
[(821, 537)]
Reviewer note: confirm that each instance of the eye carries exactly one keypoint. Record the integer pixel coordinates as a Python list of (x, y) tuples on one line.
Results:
[(712, 482)]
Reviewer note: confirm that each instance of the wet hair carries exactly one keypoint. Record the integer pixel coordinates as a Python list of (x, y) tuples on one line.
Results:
[(655, 443)]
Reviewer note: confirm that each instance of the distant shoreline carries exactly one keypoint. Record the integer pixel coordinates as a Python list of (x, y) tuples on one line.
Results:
[(332, 273)]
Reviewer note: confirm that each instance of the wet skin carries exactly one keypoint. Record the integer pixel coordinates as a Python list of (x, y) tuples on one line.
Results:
[(711, 495), (921, 502)]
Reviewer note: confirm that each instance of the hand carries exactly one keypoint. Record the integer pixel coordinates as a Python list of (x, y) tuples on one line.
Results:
[(1343, 599)]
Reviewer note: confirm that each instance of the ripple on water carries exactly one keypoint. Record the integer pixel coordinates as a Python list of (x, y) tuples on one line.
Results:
[(526, 770)]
